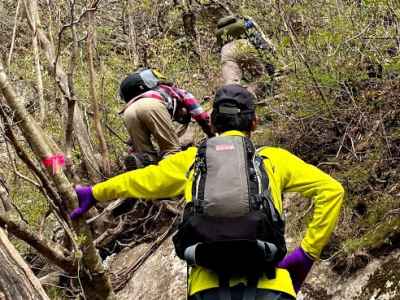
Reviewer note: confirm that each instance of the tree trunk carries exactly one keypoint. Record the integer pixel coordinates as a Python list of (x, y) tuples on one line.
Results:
[(39, 82), (17, 281), (13, 34), (133, 49), (105, 163), (5, 204)]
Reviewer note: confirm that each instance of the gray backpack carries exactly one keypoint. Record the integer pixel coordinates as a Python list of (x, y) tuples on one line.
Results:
[(231, 226)]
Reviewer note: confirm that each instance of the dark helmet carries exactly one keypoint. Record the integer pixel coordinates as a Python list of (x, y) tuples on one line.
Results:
[(137, 83)]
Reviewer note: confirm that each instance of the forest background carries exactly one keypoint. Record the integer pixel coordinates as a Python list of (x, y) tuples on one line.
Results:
[(335, 104)]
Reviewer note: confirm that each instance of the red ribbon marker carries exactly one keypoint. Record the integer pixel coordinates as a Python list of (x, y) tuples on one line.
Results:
[(55, 162)]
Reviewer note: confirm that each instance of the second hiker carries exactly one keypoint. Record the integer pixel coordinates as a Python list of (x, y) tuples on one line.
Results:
[(151, 107)]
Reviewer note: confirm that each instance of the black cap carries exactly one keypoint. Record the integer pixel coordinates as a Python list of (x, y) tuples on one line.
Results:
[(234, 99)]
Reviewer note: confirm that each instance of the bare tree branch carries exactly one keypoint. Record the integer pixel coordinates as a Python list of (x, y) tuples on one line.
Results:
[(92, 7), (13, 33), (46, 187), (71, 100)]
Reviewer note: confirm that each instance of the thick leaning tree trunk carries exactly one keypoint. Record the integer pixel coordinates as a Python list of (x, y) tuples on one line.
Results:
[(95, 281), (17, 281)]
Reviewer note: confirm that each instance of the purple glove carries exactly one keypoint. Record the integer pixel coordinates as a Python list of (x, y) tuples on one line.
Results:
[(299, 264), (86, 201)]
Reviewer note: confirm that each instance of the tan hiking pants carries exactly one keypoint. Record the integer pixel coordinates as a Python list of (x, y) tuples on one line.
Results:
[(149, 117), (237, 57)]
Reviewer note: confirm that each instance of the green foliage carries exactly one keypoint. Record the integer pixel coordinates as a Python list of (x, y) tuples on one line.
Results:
[(55, 293), (379, 235), (356, 177), (393, 65), (80, 240), (31, 203)]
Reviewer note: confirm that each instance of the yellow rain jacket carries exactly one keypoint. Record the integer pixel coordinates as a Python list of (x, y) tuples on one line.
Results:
[(286, 172)]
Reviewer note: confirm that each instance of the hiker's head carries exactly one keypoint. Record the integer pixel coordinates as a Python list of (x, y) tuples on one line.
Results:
[(131, 87), (233, 109), (137, 83)]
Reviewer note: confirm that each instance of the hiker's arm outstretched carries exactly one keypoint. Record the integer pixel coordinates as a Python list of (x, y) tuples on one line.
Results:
[(196, 111), (326, 193), (167, 179)]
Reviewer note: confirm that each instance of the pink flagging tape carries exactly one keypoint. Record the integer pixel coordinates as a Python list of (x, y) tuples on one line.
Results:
[(54, 161)]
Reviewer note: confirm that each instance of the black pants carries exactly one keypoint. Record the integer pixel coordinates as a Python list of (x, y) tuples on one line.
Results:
[(237, 294)]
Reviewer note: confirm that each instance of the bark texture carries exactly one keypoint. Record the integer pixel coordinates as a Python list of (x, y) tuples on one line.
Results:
[(5, 203), (39, 81), (17, 281)]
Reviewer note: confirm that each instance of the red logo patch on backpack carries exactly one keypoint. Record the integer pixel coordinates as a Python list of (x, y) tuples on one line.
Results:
[(224, 147)]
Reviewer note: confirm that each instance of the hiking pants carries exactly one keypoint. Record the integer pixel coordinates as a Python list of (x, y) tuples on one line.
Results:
[(149, 117), (237, 294), (239, 57)]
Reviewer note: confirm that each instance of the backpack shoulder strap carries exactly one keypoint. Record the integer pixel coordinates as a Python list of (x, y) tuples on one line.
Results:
[(199, 177), (249, 145), (251, 174), (224, 292), (265, 192), (251, 289)]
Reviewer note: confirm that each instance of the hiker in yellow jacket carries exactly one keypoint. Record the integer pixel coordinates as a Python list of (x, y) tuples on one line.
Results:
[(286, 172)]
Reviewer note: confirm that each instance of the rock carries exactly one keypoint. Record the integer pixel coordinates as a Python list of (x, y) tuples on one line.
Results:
[(161, 277), (380, 279)]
